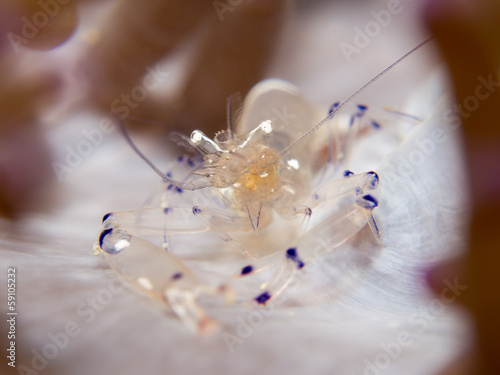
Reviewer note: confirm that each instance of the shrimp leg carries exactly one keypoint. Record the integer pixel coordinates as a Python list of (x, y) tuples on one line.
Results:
[(335, 230), (179, 220), (349, 187), (159, 274), (221, 222)]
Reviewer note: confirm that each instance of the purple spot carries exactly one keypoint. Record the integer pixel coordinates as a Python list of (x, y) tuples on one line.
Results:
[(370, 201), (376, 226), (348, 173), (103, 234), (263, 298), (351, 123), (375, 180), (246, 270), (177, 276), (332, 109), (291, 253)]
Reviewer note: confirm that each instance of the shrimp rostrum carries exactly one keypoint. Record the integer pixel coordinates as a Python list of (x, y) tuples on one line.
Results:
[(268, 167)]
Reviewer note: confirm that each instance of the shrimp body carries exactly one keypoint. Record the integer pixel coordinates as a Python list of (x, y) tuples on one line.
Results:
[(245, 171), (285, 159)]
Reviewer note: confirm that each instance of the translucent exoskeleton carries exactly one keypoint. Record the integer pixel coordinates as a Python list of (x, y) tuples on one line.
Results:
[(281, 161)]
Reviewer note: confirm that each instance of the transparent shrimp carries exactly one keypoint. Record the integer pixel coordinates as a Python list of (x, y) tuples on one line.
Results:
[(238, 183), (157, 273), (355, 212)]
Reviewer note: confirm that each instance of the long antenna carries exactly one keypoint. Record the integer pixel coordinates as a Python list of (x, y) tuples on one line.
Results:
[(287, 149), (165, 178)]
